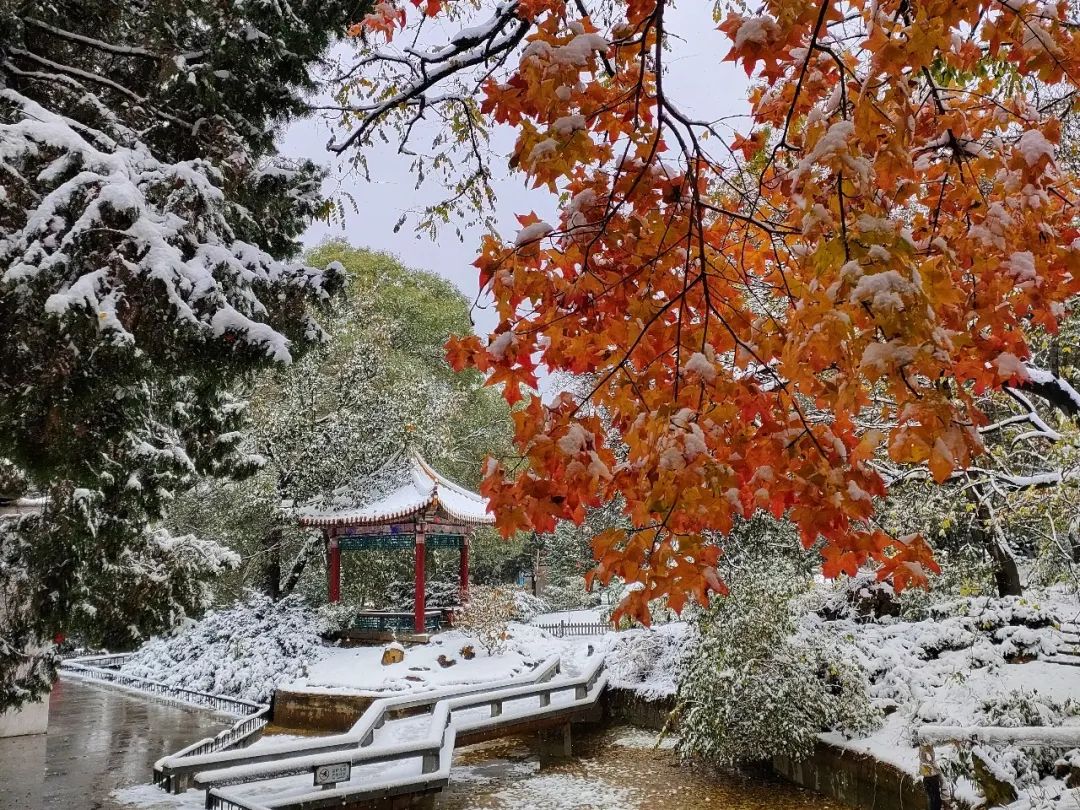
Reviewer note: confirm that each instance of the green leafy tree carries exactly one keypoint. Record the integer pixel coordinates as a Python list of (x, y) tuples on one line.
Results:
[(379, 382)]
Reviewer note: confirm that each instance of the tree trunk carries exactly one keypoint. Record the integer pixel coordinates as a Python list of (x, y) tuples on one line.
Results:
[(1006, 572), (300, 563), (272, 564)]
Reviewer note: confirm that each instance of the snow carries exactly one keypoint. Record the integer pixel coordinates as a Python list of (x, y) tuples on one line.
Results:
[(1044, 377), (560, 791), (878, 358), (883, 291), (209, 279), (404, 486), (568, 124), (759, 30), (1033, 146), (1010, 367), (576, 439), (543, 150), (532, 233), (963, 666), (699, 364), (648, 662), (1021, 266), (244, 651), (580, 49), (359, 670)]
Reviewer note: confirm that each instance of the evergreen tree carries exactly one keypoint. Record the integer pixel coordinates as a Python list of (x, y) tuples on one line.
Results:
[(146, 228)]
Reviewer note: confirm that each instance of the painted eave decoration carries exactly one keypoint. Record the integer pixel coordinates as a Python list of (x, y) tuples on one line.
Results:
[(403, 488)]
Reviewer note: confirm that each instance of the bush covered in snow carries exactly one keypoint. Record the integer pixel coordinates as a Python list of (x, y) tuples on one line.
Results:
[(650, 662), (974, 661), (527, 606), (487, 616), (243, 651), (756, 688), (570, 594)]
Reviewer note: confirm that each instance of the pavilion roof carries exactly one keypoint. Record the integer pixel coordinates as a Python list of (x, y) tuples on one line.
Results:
[(404, 487)]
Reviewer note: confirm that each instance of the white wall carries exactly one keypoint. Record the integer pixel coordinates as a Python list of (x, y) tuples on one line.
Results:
[(32, 718)]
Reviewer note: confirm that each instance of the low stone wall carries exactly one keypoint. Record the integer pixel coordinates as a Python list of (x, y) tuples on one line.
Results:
[(317, 711), (857, 780), (624, 706)]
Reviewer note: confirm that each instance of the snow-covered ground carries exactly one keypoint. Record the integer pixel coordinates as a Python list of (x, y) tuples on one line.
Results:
[(256, 646), (440, 663), (972, 662)]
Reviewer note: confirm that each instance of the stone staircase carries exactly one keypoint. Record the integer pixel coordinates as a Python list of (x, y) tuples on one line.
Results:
[(1069, 652)]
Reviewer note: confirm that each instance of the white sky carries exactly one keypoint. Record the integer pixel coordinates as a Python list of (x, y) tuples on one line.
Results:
[(697, 80)]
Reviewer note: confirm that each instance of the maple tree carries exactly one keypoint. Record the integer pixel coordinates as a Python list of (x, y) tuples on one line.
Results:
[(874, 248)]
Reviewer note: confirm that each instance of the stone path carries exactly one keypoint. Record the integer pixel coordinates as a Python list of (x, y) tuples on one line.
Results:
[(99, 739)]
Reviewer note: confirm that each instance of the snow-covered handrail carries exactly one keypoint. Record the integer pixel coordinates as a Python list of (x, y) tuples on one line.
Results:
[(435, 747), (103, 668), (177, 768), (1050, 736)]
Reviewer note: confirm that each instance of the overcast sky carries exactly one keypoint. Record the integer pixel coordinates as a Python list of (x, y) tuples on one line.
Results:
[(698, 81)]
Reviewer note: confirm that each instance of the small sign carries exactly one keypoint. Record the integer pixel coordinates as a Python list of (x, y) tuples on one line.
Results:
[(332, 774)]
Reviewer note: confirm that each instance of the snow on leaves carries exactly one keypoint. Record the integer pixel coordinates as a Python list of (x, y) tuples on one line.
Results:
[(876, 242), (167, 226)]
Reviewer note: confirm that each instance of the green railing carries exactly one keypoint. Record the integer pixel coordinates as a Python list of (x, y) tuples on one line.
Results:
[(391, 542), (393, 621)]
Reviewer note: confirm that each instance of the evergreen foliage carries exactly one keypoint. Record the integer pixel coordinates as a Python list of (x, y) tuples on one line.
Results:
[(146, 228)]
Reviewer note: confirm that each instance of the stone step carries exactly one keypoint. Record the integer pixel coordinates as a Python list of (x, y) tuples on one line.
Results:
[(1067, 660)]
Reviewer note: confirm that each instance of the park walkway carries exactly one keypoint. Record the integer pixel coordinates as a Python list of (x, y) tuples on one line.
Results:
[(99, 739)]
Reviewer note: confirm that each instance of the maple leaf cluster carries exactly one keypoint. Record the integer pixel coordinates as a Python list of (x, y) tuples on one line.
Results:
[(873, 248)]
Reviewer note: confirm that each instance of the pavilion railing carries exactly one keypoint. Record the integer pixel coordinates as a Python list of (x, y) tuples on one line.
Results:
[(400, 621)]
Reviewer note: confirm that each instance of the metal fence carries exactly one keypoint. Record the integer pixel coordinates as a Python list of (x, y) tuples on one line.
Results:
[(253, 716), (563, 629), (104, 669)]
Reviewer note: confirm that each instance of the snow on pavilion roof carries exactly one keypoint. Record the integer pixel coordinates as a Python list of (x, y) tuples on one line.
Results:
[(404, 487)]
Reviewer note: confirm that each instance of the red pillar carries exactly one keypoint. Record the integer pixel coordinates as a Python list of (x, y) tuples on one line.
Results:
[(463, 569), (333, 568), (418, 594)]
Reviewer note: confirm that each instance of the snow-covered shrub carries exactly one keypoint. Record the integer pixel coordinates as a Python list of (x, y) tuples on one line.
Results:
[(1017, 766), (757, 688), (650, 662), (527, 606), (858, 597), (245, 651), (570, 594), (487, 616), (992, 613), (334, 617)]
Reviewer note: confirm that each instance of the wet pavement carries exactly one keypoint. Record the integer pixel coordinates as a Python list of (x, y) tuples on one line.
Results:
[(99, 739)]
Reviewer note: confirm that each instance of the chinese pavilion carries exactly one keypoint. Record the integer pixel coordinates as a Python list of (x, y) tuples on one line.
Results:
[(407, 504)]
